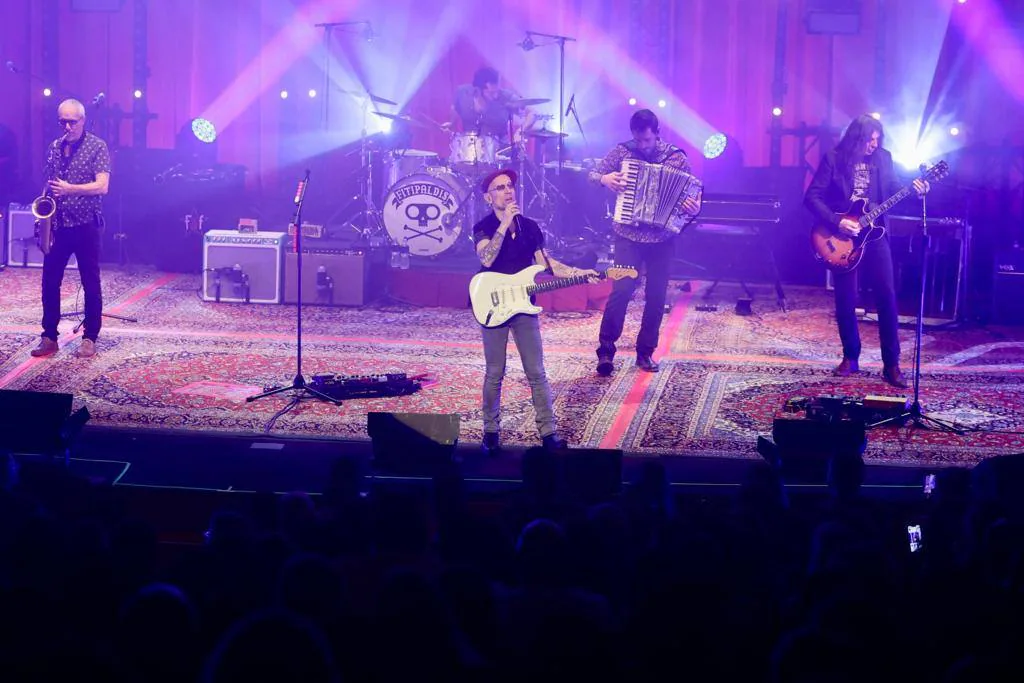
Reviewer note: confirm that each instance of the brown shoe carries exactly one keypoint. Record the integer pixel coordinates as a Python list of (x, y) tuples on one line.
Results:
[(894, 376), (846, 368), (87, 349), (47, 347)]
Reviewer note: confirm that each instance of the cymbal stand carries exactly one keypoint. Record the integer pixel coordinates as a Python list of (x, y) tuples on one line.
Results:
[(368, 220)]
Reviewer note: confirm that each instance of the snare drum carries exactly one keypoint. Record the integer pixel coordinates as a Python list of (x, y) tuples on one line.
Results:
[(473, 150), (403, 162), (425, 212)]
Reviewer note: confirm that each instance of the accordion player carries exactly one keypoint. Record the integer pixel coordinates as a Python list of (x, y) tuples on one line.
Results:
[(654, 195)]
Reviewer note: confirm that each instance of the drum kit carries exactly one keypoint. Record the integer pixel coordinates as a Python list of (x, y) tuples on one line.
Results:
[(430, 204)]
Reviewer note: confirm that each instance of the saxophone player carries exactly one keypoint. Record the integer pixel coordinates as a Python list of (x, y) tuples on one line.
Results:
[(78, 175)]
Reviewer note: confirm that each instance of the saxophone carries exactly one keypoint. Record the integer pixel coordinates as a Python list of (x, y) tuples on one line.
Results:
[(45, 206)]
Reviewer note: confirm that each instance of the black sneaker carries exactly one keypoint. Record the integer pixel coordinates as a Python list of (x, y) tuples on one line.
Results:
[(491, 443), (554, 443), (605, 366)]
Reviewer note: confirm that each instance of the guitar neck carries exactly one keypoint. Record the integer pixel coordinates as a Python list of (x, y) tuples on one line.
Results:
[(557, 284), (892, 201)]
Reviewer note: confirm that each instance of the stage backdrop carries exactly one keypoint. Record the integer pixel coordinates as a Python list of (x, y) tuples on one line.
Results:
[(711, 63)]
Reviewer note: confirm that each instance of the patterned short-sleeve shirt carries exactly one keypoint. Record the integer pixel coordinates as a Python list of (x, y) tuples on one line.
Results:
[(78, 163)]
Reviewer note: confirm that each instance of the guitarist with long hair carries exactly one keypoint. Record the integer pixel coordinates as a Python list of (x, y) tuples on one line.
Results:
[(860, 168), (507, 242)]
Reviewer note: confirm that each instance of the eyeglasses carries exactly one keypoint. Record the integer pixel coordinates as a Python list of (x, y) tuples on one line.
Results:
[(66, 122), (502, 188)]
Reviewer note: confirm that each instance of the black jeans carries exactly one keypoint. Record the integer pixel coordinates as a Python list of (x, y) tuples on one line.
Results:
[(876, 266), (657, 258), (84, 242)]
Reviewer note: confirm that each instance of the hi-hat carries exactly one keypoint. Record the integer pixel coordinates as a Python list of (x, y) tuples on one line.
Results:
[(526, 102)]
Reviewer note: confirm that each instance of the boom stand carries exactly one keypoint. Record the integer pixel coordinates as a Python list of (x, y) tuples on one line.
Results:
[(560, 41), (298, 385), (915, 413)]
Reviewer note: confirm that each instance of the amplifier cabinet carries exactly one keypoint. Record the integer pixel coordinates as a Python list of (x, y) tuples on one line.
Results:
[(1008, 288), (329, 277), (242, 267), (22, 246)]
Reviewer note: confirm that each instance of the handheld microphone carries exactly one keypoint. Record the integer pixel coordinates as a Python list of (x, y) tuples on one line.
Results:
[(571, 101), (99, 98), (527, 43)]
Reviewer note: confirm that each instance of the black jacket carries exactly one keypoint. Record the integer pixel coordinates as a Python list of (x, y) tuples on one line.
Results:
[(828, 195)]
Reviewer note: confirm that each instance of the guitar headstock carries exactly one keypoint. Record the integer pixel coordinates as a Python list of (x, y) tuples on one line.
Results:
[(936, 172), (621, 272)]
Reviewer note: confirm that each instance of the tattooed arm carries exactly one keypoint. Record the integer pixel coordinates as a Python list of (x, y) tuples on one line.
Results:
[(487, 249)]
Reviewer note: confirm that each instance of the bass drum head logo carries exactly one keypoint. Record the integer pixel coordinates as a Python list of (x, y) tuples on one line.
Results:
[(422, 213)]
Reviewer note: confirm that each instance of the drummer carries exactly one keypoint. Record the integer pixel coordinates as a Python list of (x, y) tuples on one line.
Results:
[(481, 107)]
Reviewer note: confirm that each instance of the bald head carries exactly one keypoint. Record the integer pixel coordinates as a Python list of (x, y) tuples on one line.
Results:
[(72, 107), (71, 116)]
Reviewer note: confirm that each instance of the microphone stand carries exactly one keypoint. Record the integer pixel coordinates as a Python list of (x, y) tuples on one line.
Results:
[(328, 27), (302, 390), (915, 413), (560, 41)]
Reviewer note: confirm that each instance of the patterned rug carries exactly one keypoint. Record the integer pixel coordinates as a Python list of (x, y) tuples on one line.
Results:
[(189, 364)]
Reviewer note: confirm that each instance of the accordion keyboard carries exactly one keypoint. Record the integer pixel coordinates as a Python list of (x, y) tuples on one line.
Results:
[(653, 192)]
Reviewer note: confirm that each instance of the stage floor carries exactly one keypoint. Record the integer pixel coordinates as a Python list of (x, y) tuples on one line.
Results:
[(188, 365)]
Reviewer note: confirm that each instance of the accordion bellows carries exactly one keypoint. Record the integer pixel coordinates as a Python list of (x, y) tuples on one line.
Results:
[(653, 193)]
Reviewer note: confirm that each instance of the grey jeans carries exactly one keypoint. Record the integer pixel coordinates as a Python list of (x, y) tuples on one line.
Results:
[(526, 332)]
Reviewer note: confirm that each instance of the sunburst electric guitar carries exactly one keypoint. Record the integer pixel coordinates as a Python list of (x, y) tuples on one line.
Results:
[(843, 253), (496, 297)]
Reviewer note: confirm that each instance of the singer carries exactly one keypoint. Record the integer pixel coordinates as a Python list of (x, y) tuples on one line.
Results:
[(78, 175), (507, 242), (860, 167)]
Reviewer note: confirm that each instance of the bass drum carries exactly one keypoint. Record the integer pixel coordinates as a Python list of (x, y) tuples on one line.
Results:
[(426, 211)]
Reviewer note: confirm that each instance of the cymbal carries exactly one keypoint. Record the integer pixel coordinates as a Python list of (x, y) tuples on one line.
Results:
[(402, 117), (545, 133), (381, 100), (373, 98), (526, 102)]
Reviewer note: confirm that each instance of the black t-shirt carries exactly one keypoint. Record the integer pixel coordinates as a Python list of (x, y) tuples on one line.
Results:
[(516, 252)]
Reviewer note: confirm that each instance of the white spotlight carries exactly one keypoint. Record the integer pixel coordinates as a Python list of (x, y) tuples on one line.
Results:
[(137, 94), (662, 103), (312, 92), (876, 116), (47, 92), (954, 131), (776, 111), (284, 94), (632, 101)]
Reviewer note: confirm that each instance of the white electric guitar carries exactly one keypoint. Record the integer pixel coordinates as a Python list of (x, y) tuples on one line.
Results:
[(496, 297)]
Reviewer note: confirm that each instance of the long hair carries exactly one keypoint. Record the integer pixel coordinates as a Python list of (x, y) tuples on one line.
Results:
[(850, 149)]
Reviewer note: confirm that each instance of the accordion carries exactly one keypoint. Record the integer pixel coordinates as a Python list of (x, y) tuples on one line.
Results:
[(653, 194)]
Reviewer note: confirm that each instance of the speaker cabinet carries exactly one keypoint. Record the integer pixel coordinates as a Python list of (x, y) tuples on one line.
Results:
[(22, 246), (329, 278), (412, 442), (243, 267), (31, 421)]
